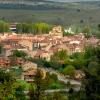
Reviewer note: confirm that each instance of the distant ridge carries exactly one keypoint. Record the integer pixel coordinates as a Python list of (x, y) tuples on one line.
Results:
[(21, 0), (32, 1), (37, 4), (72, 0), (26, 5)]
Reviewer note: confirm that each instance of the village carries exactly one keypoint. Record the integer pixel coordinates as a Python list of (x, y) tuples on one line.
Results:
[(49, 49), (40, 46)]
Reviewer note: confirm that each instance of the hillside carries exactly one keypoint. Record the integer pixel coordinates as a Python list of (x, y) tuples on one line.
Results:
[(53, 13)]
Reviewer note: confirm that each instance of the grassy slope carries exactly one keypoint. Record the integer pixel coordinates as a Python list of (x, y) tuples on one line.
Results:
[(89, 13)]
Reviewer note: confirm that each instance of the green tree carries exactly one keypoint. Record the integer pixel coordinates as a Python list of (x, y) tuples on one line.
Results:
[(59, 59), (98, 27), (89, 52), (37, 28), (7, 86), (69, 70), (38, 91), (17, 53), (4, 27), (91, 82), (55, 86), (78, 60), (19, 28), (87, 31), (59, 96), (60, 56), (19, 93)]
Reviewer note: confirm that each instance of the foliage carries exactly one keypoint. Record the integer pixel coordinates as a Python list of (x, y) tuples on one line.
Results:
[(21, 87), (37, 92), (59, 96), (87, 31), (4, 27), (91, 82), (73, 30), (60, 57), (10, 88), (53, 82), (55, 86), (37, 28), (77, 60), (17, 53), (89, 52), (17, 70), (7, 86), (69, 70)]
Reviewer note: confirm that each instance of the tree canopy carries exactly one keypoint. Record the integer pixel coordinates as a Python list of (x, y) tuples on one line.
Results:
[(69, 70), (17, 53), (34, 28), (4, 27)]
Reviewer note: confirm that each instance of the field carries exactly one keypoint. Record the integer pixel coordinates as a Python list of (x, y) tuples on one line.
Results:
[(55, 13)]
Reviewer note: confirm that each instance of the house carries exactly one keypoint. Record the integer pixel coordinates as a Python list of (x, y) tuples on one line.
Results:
[(5, 62), (43, 54), (29, 75), (79, 74), (29, 71), (29, 66), (44, 46), (56, 31), (27, 43)]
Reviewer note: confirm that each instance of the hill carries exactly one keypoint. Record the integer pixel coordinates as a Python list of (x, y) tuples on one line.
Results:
[(52, 12)]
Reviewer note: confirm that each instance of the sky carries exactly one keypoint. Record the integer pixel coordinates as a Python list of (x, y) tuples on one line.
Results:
[(71, 0)]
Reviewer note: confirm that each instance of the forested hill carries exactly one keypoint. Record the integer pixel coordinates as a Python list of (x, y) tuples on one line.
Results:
[(71, 0), (21, 4), (50, 12), (45, 5), (31, 6), (19, 1)]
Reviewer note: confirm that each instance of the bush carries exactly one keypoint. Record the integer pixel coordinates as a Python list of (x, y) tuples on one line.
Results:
[(69, 70)]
